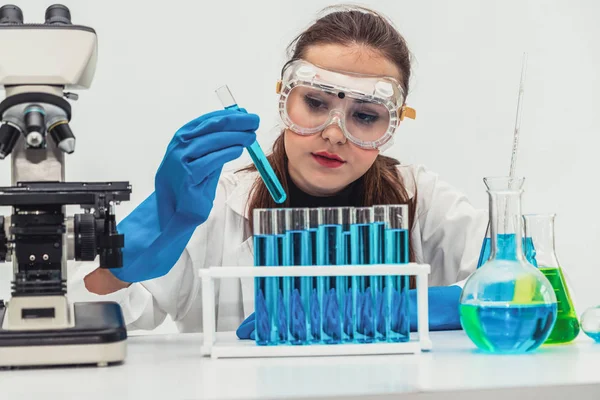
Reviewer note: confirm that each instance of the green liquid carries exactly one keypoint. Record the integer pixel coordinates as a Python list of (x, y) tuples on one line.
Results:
[(567, 324)]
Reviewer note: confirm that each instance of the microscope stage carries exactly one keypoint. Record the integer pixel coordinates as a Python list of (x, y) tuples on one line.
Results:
[(98, 338)]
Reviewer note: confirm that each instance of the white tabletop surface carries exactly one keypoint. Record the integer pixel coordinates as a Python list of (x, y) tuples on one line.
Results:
[(171, 367)]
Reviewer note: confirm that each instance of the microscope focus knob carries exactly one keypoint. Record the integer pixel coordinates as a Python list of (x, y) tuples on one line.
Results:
[(85, 237), (3, 241), (11, 14), (111, 258), (58, 14)]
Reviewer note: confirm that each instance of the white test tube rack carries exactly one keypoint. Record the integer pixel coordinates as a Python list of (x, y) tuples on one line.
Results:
[(249, 349)]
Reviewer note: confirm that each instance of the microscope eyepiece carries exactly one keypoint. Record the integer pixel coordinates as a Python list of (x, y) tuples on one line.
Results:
[(63, 136), (11, 15), (58, 14), (9, 134)]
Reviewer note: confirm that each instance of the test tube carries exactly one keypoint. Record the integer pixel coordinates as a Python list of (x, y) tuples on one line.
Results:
[(344, 283), (298, 251), (379, 283), (313, 225), (282, 284), (362, 248), (265, 254), (315, 282), (256, 153), (397, 252), (330, 251)]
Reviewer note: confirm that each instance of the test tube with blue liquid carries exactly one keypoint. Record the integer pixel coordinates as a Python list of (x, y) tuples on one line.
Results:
[(256, 153), (344, 284), (316, 292), (298, 252), (331, 251), (379, 283), (282, 284), (265, 294), (397, 293), (363, 248)]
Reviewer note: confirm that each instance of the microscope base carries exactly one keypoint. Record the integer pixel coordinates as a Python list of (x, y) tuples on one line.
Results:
[(98, 338)]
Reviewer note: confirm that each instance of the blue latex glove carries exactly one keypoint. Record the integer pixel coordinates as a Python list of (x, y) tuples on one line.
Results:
[(443, 312), (443, 308), (246, 329), (158, 230)]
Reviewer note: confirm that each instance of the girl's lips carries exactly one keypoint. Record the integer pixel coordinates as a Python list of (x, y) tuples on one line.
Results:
[(329, 155), (328, 162)]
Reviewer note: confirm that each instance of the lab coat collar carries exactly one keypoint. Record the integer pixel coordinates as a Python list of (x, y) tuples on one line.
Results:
[(243, 181)]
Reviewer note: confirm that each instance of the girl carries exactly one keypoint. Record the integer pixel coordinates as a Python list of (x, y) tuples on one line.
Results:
[(328, 154)]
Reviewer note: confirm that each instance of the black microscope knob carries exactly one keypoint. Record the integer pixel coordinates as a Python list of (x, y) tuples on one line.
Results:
[(3, 241), (111, 258), (11, 14), (58, 14), (85, 237)]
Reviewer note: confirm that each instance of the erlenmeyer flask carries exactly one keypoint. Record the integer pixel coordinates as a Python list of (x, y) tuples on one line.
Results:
[(505, 242), (507, 305), (541, 253), (590, 323)]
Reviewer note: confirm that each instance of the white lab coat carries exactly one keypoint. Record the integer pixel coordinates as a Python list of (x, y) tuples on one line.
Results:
[(447, 235)]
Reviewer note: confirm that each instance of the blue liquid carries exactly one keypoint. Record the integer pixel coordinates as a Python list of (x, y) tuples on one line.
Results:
[(266, 172), (346, 294), (506, 249), (316, 294), (348, 252), (397, 290), (298, 251), (364, 290), (264, 168), (265, 299), (379, 283), (282, 290), (270, 301), (529, 251), (506, 328), (331, 251), (594, 335)]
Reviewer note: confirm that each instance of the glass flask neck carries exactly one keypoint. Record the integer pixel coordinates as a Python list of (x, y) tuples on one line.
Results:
[(505, 225), (540, 245)]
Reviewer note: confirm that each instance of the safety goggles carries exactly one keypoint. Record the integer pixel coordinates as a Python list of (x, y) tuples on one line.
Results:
[(368, 109)]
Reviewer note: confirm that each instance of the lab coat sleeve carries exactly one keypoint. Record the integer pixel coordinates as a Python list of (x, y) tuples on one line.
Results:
[(146, 304), (451, 230)]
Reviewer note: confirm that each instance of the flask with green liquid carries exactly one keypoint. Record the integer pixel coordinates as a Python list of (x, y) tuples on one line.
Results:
[(540, 251)]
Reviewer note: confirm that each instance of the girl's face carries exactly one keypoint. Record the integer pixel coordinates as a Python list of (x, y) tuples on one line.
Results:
[(323, 164)]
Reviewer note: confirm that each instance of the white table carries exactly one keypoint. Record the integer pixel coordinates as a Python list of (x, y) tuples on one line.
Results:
[(171, 367)]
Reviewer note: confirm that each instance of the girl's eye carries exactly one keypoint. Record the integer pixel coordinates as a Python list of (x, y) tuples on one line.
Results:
[(365, 118), (313, 102)]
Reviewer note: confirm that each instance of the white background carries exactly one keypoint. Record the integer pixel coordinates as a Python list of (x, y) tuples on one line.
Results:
[(159, 64)]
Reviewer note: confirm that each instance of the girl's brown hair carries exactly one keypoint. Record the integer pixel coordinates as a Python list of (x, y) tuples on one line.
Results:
[(348, 26)]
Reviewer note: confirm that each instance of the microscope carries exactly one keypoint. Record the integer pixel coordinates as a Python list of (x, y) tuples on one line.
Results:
[(39, 326)]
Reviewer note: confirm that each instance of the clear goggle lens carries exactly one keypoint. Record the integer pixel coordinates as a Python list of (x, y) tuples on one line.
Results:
[(311, 110)]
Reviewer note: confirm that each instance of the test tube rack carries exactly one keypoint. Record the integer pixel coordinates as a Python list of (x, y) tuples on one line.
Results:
[(249, 349)]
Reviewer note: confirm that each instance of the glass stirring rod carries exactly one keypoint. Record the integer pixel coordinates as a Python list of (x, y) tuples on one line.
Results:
[(256, 153), (517, 130), (515, 147)]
